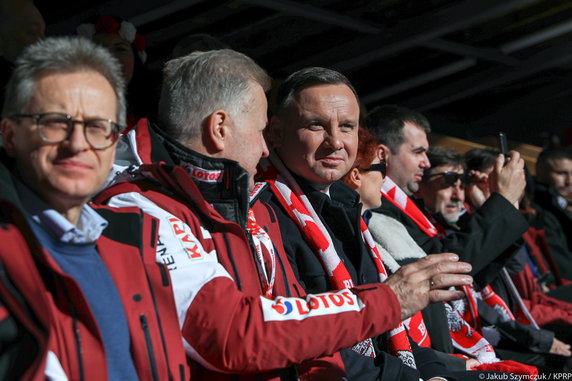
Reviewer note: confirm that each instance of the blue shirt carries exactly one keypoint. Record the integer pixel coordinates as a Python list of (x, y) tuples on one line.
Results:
[(74, 250)]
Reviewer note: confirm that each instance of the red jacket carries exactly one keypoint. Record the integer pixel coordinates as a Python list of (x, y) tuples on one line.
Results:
[(227, 324), (51, 305)]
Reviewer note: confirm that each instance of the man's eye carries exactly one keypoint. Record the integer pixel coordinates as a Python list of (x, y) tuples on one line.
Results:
[(97, 125), (316, 126), (55, 123)]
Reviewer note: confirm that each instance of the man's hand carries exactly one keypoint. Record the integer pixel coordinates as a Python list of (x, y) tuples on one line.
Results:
[(478, 191), (560, 348), (426, 281), (472, 363), (508, 179)]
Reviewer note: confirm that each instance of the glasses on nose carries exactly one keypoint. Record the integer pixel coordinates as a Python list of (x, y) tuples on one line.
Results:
[(380, 167), (451, 178), (55, 127)]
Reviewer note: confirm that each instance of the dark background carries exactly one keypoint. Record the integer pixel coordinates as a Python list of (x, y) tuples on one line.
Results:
[(473, 67)]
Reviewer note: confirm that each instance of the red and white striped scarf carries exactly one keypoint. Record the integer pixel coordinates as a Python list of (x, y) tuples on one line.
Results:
[(264, 249), (298, 207), (464, 337)]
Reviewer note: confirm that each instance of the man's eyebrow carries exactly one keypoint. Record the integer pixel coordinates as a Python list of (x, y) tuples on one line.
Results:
[(312, 118), (419, 149)]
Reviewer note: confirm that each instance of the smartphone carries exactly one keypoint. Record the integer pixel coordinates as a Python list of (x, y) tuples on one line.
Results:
[(503, 145)]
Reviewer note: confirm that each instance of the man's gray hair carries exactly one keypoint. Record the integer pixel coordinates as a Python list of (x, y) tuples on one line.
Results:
[(61, 55), (197, 84), (308, 77)]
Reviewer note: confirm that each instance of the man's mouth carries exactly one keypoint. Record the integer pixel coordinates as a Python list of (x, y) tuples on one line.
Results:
[(331, 161), (72, 164)]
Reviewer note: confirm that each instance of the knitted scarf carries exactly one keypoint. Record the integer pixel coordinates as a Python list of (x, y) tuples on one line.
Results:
[(298, 207), (464, 337), (466, 309), (264, 249)]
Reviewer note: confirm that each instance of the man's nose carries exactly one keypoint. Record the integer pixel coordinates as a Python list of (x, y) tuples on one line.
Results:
[(265, 151), (568, 179), (425, 163), (333, 139), (77, 141)]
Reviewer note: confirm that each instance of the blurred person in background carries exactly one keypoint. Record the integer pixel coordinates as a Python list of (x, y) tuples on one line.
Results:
[(21, 25), (128, 46)]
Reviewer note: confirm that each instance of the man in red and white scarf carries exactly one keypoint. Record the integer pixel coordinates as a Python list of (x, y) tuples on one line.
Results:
[(241, 311), (314, 133), (443, 191), (489, 238)]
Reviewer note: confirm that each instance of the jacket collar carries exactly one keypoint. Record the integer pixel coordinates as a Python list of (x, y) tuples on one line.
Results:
[(340, 195), (8, 192), (222, 182)]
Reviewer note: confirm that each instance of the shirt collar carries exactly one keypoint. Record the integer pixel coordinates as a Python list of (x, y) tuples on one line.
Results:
[(89, 227)]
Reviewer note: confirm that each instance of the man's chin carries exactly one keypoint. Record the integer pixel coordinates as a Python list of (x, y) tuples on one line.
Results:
[(451, 218), (411, 188)]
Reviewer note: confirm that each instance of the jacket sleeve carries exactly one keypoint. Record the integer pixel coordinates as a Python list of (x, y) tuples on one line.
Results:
[(227, 330), (487, 238), (513, 331)]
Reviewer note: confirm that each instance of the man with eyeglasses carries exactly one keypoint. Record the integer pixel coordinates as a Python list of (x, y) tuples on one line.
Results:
[(80, 294)]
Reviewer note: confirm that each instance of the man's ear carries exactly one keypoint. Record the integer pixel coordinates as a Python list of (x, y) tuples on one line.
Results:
[(216, 130), (7, 130), (353, 178), (384, 152)]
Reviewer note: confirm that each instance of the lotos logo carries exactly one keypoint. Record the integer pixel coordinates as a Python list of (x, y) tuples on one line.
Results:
[(204, 175), (314, 305), (282, 307)]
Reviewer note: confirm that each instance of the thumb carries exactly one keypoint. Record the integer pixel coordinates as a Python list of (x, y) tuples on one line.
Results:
[(499, 163)]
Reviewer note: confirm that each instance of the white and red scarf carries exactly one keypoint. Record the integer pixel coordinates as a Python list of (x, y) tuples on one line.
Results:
[(464, 337), (264, 249), (462, 331), (298, 207)]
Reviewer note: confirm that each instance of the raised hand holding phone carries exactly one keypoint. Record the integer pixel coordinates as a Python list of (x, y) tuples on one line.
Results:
[(507, 177)]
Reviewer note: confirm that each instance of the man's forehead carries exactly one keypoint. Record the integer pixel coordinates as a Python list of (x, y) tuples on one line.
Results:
[(414, 135), (561, 164), (325, 92)]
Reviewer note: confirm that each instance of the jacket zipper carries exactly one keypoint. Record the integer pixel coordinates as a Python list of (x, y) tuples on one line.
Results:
[(150, 352), (166, 283), (228, 248), (76, 332)]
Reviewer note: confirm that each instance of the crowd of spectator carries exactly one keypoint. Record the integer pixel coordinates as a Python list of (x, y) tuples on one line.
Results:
[(194, 235)]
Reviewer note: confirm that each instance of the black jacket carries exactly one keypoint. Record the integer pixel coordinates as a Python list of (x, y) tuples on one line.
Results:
[(340, 214), (513, 334), (557, 225), (487, 238)]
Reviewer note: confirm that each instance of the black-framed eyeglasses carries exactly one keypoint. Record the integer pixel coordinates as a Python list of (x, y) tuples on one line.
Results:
[(380, 167), (55, 127), (451, 178)]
